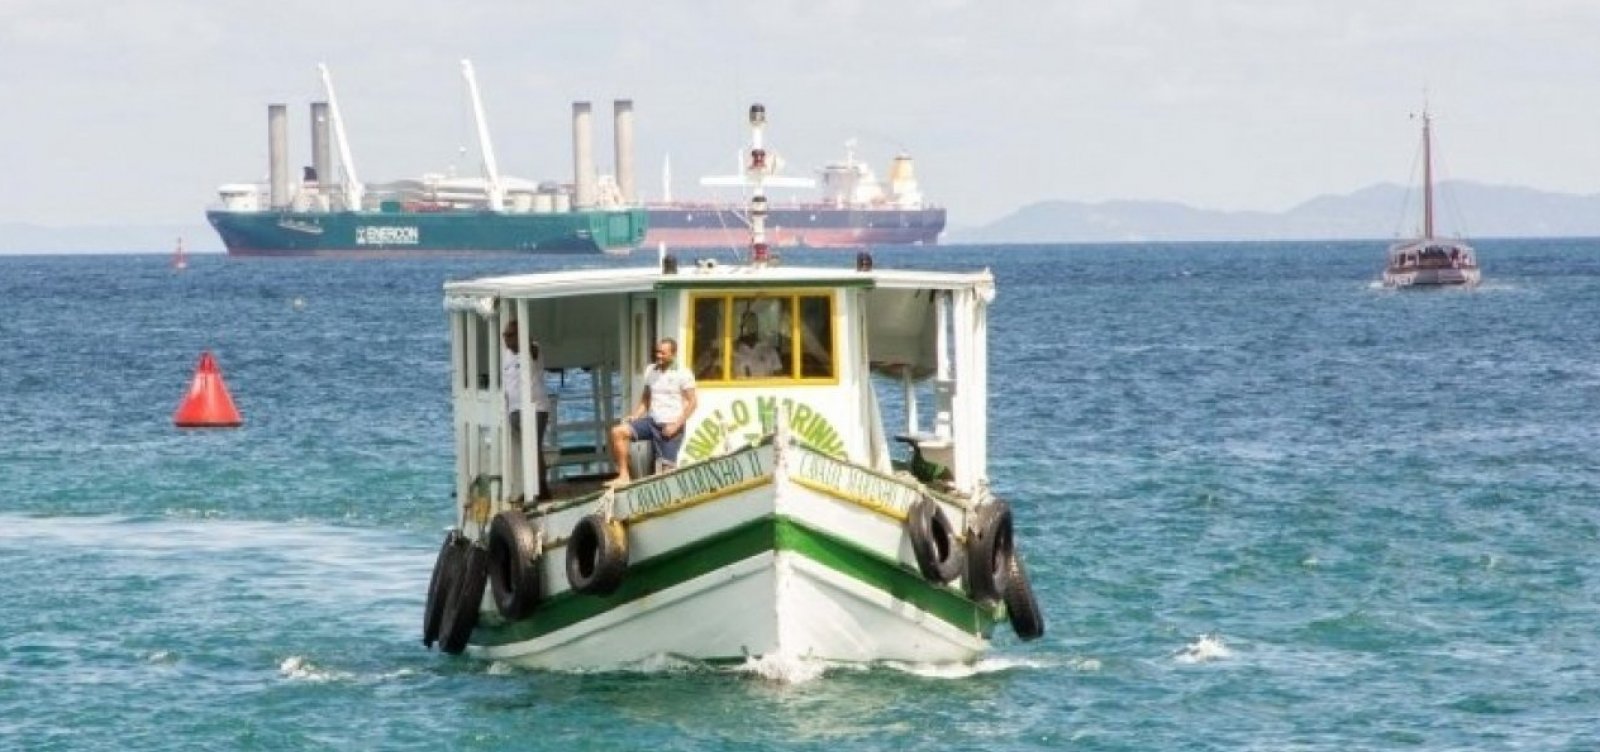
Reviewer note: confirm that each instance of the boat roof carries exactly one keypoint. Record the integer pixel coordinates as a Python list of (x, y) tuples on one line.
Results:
[(582, 282)]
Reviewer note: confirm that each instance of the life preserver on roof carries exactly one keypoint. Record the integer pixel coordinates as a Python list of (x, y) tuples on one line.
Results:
[(989, 546), (597, 555), (933, 541), (514, 565), (464, 600), (446, 568), (1021, 607)]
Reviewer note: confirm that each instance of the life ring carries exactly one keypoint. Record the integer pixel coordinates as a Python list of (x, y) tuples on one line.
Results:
[(933, 541), (1021, 607), (597, 555), (513, 564), (466, 597), (446, 568), (989, 542)]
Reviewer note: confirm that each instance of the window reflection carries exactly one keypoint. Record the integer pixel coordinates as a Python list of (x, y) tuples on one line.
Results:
[(745, 337)]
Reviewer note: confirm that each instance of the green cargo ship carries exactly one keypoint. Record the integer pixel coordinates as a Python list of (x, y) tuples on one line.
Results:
[(331, 212), (402, 232)]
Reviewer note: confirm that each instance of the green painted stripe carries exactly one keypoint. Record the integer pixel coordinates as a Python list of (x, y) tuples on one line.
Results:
[(841, 555), (735, 545)]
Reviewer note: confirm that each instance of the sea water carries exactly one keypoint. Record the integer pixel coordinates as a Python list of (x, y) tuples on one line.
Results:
[(1266, 505)]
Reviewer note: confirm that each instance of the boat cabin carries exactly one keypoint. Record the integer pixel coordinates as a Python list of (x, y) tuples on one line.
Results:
[(1432, 254), (884, 369)]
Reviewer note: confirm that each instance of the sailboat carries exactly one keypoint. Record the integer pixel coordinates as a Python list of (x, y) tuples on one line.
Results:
[(180, 261), (1429, 260)]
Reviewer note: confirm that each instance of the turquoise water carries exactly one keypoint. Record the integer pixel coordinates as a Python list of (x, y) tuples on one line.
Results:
[(1266, 506)]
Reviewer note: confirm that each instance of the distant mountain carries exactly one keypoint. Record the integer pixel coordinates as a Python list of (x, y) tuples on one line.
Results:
[(1473, 210)]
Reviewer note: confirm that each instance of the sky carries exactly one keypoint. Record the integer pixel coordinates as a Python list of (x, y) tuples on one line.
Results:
[(134, 112)]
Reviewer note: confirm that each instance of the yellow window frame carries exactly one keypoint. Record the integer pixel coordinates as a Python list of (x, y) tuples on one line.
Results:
[(725, 338)]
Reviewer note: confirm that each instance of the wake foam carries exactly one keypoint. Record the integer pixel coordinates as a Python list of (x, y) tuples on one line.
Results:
[(1206, 649), (298, 668)]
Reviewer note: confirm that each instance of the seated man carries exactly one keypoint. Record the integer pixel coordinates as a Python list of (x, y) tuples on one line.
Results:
[(753, 357), (664, 407)]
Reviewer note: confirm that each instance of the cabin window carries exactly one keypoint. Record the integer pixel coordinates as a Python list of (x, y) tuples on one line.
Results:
[(748, 338)]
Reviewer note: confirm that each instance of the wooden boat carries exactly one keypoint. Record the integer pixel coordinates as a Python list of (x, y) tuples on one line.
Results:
[(1429, 261), (787, 527)]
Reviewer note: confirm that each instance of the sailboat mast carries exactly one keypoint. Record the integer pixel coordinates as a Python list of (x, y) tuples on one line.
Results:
[(1427, 175)]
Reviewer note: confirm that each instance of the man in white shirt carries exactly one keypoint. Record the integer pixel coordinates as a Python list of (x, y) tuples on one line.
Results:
[(753, 357), (664, 407), (511, 379)]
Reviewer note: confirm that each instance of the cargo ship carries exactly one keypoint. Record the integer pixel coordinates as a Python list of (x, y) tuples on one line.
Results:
[(434, 214), (854, 210)]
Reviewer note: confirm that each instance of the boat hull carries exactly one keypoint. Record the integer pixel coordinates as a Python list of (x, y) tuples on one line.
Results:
[(1431, 262), (710, 226), (775, 564), (1431, 278), (288, 233)]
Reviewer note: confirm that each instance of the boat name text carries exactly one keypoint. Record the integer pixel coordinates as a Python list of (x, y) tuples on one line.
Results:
[(743, 421), (856, 484), (694, 482), (366, 235)]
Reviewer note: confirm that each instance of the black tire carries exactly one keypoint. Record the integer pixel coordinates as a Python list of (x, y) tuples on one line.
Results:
[(513, 565), (446, 568), (989, 542), (933, 541), (1021, 607), (466, 597), (597, 555)]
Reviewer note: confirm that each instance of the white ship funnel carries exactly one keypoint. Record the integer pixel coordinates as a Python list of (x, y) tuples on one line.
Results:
[(583, 179), (321, 162), (622, 124), (278, 154)]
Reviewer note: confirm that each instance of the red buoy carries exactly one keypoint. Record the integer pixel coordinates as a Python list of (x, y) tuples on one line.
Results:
[(207, 405)]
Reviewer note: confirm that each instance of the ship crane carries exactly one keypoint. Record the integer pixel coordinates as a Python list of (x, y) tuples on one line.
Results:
[(353, 190), (492, 186)]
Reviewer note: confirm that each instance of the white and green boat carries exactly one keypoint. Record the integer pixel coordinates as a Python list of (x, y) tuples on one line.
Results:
[(787, 526)]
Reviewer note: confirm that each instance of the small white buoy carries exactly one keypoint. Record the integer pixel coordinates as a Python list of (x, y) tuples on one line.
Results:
[(299, 303)]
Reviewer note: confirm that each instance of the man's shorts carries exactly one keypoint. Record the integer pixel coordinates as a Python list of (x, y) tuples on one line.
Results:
[(666, 449)]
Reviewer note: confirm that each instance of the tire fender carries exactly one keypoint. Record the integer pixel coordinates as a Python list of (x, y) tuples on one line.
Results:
[(933, 541), (989, 547), (1022, 608), (597, 555), (514, 565), (446, 569), (466, 598)]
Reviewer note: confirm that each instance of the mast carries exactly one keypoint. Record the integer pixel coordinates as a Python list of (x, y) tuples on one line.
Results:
[(353, 189), (756, 173), (666, 179), (1427, 174), (491, 171)]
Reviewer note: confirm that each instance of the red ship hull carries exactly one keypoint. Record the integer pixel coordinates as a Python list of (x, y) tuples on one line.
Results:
[(702, 226)]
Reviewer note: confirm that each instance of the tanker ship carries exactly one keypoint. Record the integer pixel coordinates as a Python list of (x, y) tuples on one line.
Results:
[(434, 214), (853, 210)]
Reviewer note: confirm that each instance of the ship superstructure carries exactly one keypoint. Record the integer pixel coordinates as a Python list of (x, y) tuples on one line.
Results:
[(853, 209)]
